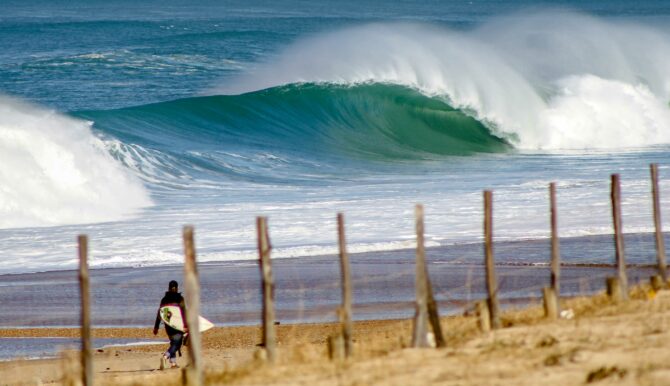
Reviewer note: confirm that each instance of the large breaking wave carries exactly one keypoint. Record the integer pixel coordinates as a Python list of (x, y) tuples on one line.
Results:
[(547, 80), (332, 102)]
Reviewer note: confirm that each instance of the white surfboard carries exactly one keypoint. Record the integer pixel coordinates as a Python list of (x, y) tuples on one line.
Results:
[(171, 315)]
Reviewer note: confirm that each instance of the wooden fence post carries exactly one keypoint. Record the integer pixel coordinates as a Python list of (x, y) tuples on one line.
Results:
[(420, 333), (192, 287), (555, 246), (618, 236), (614, 289), (336, 349), (431, 304), (483, 315), (345, 310), (264, 247), (550, 303), (491, 281), (660, 243), (85, 294), (551, 294)]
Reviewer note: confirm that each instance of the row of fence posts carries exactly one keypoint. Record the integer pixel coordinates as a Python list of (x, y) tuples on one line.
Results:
[(341, 344), (193, 372)]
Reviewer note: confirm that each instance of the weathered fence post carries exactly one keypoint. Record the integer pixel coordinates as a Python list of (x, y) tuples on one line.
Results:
[(345, 311), (192, 286), (555, 246), (264, 247), (614, 289), (420, 333), (660, 243), (550, 304), (426, 306), (336, 349), (85, 294), (491, 281), (551, 295), (434, 315), (618, 236), (484, 316)]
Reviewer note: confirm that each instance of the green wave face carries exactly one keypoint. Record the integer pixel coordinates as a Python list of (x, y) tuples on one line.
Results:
[(396, 122), (372, 121)]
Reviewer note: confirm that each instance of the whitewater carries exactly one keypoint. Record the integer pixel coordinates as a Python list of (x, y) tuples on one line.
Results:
[(365, 118)]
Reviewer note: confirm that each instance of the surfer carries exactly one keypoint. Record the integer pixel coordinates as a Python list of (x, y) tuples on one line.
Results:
[(174, 298)]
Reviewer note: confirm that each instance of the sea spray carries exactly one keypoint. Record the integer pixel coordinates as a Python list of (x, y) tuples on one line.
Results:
[(54, 171), (534, 79)]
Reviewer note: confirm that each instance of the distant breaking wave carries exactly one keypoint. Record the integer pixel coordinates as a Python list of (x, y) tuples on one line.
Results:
[(543, 81)]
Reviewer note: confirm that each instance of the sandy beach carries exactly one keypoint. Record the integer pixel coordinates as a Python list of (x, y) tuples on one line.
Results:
[(604, 343)]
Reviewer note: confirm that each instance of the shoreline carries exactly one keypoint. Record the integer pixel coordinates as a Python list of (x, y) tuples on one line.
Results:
[(307, 289), (628, 337), (472, 251)]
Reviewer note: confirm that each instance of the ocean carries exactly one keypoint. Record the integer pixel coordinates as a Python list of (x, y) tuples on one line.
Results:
[(127, 120)]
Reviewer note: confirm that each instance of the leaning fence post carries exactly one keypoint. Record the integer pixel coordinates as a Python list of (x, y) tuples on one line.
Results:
[(660, 243), (84, 290), (269, 335), (345, 314), (618, 235), (491, 281), (424, 280), (194, 370)]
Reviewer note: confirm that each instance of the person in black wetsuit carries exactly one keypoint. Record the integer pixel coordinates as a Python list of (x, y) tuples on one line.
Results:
[(172, 298)]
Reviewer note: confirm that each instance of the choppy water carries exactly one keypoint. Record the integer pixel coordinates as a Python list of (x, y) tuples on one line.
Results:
[(135, 120)]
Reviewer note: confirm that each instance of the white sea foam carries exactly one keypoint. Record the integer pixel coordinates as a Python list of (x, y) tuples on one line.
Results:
[(54, 171), (548, 80)]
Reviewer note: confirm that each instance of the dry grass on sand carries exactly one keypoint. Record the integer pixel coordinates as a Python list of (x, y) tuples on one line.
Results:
[(604, 344)]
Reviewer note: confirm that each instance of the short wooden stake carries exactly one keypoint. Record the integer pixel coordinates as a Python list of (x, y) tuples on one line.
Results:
[(345, 310), (264, 247), (555, 248), (657, 283), (85, 294), (618, 236), (491, 280), (483, 315), (192, 287), (336, 349), (660, 243), (550, 303), (614, 289)]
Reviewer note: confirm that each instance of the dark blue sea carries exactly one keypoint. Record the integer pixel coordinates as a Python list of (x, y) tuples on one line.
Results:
[(126, 120)]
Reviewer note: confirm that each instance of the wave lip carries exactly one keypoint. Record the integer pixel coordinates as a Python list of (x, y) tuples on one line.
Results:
[(547, 80), (54, 171)]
